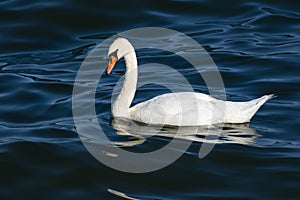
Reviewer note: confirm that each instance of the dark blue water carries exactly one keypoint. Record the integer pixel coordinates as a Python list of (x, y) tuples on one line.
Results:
[(42, 45)]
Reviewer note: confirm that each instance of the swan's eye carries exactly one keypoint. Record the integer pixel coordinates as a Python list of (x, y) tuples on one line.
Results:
[(113, 54)]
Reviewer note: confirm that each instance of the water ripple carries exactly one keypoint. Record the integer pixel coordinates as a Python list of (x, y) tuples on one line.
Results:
[(42, 45)]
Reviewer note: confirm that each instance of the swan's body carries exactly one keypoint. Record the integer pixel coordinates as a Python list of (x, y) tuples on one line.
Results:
[(179, 109)]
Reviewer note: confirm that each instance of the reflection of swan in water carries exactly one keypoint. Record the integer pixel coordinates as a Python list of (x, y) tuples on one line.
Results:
[(227, 133)]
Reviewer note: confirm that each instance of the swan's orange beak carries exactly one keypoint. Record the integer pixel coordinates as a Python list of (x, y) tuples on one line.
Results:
[(111, 64)]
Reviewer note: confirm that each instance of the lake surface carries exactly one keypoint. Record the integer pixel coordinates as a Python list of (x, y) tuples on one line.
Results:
[(255, 46)]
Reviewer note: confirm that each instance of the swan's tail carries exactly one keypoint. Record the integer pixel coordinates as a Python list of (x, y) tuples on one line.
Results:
[(255, 104), (242, 112), (260, 101)]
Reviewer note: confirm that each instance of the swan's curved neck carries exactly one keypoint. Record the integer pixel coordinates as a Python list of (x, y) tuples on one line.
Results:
[(120, 107)]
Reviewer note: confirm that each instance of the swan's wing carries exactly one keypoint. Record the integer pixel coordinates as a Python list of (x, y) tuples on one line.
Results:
[(185, 108)]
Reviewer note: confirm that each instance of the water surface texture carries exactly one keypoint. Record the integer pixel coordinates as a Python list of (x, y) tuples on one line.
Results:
[(42, 45)]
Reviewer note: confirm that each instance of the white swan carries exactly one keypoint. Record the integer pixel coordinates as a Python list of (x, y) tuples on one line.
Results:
[(179, 109)]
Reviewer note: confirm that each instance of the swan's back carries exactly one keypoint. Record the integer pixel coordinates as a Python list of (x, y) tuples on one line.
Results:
[(194, 109), (180, 109)]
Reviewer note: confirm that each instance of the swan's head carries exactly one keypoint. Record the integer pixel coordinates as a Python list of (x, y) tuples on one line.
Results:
[(117, 50)]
